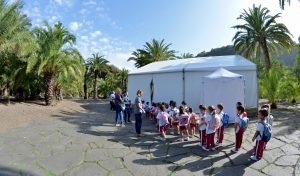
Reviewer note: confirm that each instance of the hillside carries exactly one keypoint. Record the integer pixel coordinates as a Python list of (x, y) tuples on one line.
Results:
[(287, 59)]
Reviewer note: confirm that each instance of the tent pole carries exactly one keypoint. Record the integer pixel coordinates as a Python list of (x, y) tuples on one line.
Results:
[(183, 84)]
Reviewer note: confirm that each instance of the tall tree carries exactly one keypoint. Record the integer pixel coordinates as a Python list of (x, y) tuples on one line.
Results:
[(97, 65), (55, 56), (282, 3), (152, 52), (16, 43), (186, 56), (261, 34), (122, 76)]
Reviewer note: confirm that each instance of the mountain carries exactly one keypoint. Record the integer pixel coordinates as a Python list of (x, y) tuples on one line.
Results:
[(284, 57)]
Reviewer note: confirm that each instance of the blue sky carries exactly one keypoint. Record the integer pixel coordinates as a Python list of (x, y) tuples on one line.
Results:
[(117, 27)]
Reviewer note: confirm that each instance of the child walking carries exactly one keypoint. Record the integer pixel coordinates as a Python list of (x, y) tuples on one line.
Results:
[(162, 118), (192, 121), (211, 121), (183, 124), (220, 131), (202, 125), (241, 123), (258, 136)]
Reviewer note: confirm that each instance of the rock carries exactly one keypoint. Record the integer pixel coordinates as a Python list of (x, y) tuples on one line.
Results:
[(61, 162), (111, 164), (236, 170), (90, 169), (272, 155), (103, 154), (278, 170), (290, 150), (120, 172), (287, 160)]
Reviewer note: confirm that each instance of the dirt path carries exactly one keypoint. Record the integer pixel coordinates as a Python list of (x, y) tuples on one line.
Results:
[(21, 114)]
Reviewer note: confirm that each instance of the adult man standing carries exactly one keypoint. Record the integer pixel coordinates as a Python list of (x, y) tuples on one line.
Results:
[(138, 111)]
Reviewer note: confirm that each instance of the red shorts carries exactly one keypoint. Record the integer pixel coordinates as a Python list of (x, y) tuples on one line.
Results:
[(183, 128), (163, 128), (192, 125), (175, 123)]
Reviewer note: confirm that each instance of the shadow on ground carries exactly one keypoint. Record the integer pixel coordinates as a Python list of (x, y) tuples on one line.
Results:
[(6, 171), (176, 156)]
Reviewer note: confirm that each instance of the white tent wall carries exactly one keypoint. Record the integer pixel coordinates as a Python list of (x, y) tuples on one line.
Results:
[(221, 90), (167, 77), (194, 88), (168, 86), (251, 87), (136, 82)]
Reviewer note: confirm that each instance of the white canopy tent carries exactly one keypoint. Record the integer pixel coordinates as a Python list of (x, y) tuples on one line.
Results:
[(182, 79), (223, 86)]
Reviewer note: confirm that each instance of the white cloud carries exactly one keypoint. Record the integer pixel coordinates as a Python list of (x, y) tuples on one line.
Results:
[(83, 11), (96, 34), (119, 59), (104, 40), (53, 19), (64, 2), (74, 26), (90, 3)]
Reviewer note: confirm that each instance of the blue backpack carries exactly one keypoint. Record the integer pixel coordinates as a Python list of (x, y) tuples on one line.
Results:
[(244, 122), (225, 119), (267, 133)]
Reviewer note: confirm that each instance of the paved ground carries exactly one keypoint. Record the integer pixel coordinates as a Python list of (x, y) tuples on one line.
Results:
[(87, 143)]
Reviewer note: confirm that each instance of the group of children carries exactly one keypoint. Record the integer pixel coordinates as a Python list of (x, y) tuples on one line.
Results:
[(211, 122)]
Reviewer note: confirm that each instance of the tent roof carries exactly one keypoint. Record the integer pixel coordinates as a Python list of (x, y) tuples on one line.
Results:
[(223, 73), (232, 62)]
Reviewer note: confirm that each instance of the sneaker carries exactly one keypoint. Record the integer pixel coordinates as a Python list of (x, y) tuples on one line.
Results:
[(253, 158), (182, 139), (129, 121), (123, 125), (162, 139), (117, 125), (204, 148), (186, 139), (234, 150), (213, 149)]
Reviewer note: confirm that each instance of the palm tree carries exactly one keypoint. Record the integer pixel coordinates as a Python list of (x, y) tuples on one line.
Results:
[(16, 43), (261, 34), (55, 55), (282, 3), (186, 56), (97, 65), (122, 76), (152, 52)]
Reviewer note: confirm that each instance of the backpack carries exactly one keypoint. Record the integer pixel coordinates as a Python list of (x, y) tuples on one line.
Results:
[(164, 117), (216, 123), (267, 133), (244, 122), (225, 119)]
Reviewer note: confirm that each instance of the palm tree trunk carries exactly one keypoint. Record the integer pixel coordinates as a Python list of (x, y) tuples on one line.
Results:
[(266, 54), (85, 84), (95, 86), (49, 81)]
